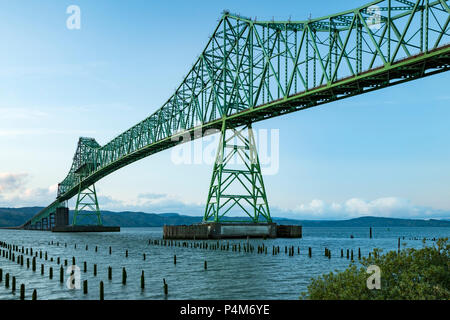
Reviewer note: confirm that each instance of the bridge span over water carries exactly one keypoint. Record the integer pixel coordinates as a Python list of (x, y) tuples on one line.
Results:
[(252, 70)]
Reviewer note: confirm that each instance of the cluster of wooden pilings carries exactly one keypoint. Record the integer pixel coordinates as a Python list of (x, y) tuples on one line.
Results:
[(275, 250), (30, 258)]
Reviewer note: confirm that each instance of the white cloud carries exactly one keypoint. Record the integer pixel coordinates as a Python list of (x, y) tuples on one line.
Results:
[(356, 207), (11, 181), (15, 193)]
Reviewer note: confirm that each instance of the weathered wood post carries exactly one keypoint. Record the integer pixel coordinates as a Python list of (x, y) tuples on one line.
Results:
[(85, 286), (142, 280), (61, 274), (13, 284), (22, 292), (124, 276), (102, 293), (109, 273), (34, 295), (166, 287)]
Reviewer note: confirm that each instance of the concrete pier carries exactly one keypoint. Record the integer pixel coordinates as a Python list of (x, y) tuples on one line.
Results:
[(85, 229), (231, 231)]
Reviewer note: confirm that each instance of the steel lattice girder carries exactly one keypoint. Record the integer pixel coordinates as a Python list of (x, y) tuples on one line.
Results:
[(237, 186), (87, 199), (253, 70)]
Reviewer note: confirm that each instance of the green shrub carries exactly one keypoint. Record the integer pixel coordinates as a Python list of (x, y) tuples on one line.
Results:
[(412, 274)]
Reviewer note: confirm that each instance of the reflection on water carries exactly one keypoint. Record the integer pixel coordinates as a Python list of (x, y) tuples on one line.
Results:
[(230, 275)]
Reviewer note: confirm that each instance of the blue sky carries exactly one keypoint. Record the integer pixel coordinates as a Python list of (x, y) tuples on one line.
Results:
[(385, 153)]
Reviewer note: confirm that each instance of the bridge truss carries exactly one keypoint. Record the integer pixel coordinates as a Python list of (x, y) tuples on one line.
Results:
[(252, 70)]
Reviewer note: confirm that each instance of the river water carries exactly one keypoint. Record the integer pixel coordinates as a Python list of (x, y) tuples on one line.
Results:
[(229, 274)]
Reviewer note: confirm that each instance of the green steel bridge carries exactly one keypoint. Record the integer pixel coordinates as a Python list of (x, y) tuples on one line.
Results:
[(253, 70)]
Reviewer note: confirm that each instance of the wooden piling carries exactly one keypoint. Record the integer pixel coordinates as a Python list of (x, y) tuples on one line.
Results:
[(310, 252), (206, 265), (175, 259), (124, 276), (13, 284), (102, 293), (85, 286), (61, 274), (34, 295), (7, 280), (166, 287), (22, 292), (50, 273), (142, 280), (109, 273), (95, 270)]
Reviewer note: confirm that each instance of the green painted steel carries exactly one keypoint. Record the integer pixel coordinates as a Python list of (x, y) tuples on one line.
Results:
[(253, 70), (237, 185), (87, 207)]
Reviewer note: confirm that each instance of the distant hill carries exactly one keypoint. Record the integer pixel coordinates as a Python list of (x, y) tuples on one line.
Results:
[(11, 217)]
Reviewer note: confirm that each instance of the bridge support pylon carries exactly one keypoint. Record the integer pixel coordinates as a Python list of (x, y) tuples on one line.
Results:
[(237, 185), (87, 206)]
